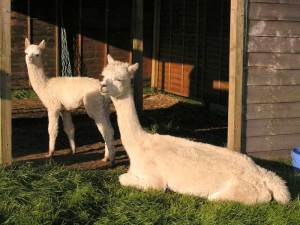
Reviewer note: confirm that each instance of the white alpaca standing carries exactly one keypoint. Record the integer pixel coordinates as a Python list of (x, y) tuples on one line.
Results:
[(162, 161), (62, 94)]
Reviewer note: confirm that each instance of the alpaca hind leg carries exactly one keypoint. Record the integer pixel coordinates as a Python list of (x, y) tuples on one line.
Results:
[(144, 183), (52, 130), (97, 109), (238, 191), (107, 133), (69, 129)]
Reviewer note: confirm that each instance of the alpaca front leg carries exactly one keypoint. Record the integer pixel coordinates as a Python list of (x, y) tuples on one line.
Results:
[(69, 129), (52, 130), (128, 179)]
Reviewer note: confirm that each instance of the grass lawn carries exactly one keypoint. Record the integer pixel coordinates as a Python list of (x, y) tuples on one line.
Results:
[(52, 194)]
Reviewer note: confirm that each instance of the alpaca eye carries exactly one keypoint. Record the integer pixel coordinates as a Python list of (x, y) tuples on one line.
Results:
[(37, 55)]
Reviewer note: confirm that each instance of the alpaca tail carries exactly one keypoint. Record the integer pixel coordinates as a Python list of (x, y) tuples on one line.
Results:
[(277, 187)]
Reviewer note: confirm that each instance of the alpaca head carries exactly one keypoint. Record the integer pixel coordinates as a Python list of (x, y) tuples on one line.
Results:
[(117, 77), (34, 52)]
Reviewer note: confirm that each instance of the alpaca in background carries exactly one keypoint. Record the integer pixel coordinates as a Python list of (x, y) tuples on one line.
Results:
[(162, 161), (62, 94)]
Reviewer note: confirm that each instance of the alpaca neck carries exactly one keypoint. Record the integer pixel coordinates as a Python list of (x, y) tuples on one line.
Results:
[(37, 77), (132, 133)]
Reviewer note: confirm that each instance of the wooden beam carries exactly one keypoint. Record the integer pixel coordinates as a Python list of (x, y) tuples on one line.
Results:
[(5, 72), (236, 54), (155, 50), (137, 51)]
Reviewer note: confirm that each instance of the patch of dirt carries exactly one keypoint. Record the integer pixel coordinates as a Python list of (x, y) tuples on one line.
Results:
[(162, 113)]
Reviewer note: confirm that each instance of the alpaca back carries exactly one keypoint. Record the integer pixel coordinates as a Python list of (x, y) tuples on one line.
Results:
[(71, 91)]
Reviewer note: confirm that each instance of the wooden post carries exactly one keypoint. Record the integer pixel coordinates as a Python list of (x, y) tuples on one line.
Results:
[(5, 71), (155, 50), (235, 106), (137, 51)]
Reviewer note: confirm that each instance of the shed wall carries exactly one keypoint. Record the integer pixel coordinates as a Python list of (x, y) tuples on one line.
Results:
[(272, 113)]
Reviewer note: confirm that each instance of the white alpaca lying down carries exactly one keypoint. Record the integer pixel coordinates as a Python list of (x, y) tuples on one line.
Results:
[(162, 161), (61, 94)]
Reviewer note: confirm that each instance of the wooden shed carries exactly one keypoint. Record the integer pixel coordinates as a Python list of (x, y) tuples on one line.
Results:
[(242, 54)]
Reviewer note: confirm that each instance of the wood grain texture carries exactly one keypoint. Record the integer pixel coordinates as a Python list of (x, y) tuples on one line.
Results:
[(273, 44), (267, 127), (268, 76), (274, 28), (273, 82), (293, 2), (274, 60), (5, 74), (272, 143), (262, 11), (282, 154), (273, 94), (235, 107), (273, 110)]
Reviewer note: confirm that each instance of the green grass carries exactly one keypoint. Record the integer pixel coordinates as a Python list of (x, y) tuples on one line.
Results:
[(51, 194), (23, 94)]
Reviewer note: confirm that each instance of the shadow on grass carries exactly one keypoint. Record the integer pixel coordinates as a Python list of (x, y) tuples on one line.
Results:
[(284, 170)]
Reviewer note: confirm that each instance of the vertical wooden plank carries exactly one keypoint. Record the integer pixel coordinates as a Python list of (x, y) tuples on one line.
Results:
[(137, 51), (5, 72), (183, 45), (29, 27), (79, 37), (57, 39), (197, 50), (201, 91), (106, 31), (220, 56), (235, 75), (156, 33)]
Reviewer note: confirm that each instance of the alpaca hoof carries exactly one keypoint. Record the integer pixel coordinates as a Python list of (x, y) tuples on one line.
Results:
[(105, 159), (49, 155), (72, 152)]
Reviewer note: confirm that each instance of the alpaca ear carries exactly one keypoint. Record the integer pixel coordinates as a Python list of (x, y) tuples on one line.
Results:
[(110, 59), (42, 45), (27, 42), (133, 68)]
